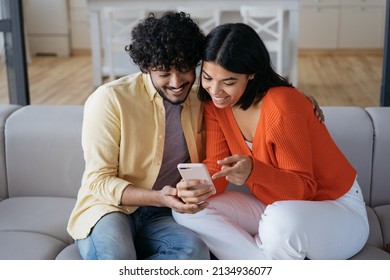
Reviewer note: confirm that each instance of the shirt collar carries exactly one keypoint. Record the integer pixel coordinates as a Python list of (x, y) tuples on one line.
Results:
[(150, 89)]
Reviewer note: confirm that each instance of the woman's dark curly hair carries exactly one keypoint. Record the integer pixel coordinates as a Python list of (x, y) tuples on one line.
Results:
[(172, 40)]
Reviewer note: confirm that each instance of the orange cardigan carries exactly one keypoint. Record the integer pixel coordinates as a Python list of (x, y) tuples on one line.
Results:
[(293, 154)]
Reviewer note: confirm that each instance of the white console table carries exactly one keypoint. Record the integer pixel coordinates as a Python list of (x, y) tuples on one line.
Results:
[(95, 14)]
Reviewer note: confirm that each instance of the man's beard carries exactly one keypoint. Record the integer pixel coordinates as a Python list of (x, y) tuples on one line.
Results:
[(162, 94)]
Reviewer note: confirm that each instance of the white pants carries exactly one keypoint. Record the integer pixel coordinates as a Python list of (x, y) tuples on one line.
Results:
[(236, 225)]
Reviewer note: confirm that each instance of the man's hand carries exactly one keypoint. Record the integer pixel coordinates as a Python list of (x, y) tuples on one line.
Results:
[(236, 169), (166, 197), (194, 191), (317, 110), (195, 199)]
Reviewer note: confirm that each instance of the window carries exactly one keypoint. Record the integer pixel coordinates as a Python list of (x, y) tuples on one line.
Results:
[(13, 67)]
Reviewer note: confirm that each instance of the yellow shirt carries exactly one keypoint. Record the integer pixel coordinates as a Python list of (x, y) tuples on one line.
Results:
[(123, 140)]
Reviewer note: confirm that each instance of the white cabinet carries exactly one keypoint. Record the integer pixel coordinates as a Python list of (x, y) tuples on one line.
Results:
[(329, 24), (319, 24), (59, 26), (79, 25), (362, 24), (47, 26)]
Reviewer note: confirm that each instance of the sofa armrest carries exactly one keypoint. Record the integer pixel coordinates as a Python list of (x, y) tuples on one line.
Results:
[(5, 112)]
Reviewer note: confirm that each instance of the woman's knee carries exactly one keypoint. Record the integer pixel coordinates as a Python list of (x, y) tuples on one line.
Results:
[(281, 233), (187, 220)]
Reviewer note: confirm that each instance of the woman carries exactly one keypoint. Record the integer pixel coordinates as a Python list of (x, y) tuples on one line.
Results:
[(304, 200)]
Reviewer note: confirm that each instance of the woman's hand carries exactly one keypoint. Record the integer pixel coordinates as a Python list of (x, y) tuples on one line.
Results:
[(236, 169)]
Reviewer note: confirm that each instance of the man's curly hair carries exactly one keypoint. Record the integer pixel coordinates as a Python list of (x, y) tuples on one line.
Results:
[(172, 40)]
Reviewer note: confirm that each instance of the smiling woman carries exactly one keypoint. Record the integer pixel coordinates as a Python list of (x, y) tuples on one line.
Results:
[(295, 174)]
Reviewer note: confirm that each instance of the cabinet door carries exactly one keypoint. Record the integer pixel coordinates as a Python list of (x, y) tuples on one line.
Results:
[(318, 27), (47, 27), (46, 17), (361, 27), (79, 27)]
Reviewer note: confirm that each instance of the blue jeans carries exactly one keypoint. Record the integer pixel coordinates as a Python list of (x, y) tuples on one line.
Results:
[(149, 233)]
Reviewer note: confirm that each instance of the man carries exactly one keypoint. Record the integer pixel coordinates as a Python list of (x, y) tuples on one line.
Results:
[(135, 131)]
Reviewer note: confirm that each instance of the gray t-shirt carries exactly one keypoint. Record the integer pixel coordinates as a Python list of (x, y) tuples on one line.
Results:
[(175, 148)]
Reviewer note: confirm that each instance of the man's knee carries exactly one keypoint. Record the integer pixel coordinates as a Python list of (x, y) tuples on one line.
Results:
[(194, 248)]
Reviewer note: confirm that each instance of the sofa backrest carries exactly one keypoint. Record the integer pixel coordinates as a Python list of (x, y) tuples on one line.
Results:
[(5, 111), (381, 162), (44, 156), (352, 130), (43, 151)]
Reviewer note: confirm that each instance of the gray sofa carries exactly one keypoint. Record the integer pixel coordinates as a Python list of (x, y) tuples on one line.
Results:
[(41, 164)]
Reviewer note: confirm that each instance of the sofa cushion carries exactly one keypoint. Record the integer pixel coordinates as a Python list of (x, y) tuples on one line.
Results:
[(5, 112), (371, 253), (43, 142), (375, 237), (383, 213), (21, 245), (352, 130), (381, 156), (43, 215), (70, 252)]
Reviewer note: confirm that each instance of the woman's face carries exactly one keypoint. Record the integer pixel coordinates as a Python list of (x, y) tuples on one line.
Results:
[(224, 87)]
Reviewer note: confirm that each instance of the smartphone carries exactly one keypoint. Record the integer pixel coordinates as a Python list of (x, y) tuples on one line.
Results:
[(195, 171)]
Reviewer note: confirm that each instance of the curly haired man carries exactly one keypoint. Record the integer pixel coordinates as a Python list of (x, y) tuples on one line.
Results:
[(135, 131)]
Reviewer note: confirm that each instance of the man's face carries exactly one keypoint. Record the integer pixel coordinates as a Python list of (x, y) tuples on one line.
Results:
[(173, 85)]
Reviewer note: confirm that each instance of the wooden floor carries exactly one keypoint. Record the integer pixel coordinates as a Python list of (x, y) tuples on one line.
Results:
[(333, 78), (341, 78)]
